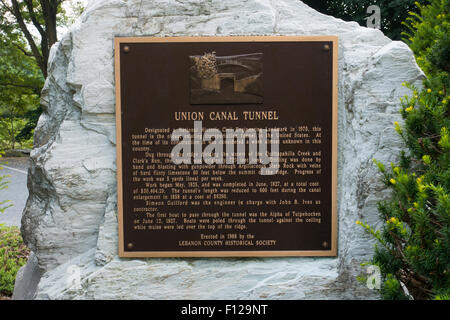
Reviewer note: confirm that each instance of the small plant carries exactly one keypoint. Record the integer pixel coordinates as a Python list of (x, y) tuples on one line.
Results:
[(13, 255), (413, 246)]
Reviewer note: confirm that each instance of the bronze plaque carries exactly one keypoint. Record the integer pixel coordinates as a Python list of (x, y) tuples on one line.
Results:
[(182, 102)]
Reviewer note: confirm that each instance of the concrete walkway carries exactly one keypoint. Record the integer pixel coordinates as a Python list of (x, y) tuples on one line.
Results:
[(17, 190)]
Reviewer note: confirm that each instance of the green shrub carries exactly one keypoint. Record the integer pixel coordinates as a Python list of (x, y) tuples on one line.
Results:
[(9, 137), (13, 255), (413, 245), (428, 36)]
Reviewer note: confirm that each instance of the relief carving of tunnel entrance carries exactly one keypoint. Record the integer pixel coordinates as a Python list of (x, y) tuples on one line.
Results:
[(226, 79)]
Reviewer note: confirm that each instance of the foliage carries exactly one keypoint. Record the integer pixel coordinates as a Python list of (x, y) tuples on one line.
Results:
[(393, 12), (19, 17), (25, 136), (10, 134), (413, 246), (70, 11), (20, 85), (428, 35), (28, 29), (13, 255)]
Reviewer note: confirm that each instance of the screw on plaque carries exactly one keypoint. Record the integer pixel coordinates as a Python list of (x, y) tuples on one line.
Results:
[(130, 246), (325, 244), (326, 47), (126, 49)]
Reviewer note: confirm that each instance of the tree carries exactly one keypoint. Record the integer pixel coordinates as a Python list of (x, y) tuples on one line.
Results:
[(428, 35), (42, 15), (28, 29), (413, 244), (20, 85), (393, 12)]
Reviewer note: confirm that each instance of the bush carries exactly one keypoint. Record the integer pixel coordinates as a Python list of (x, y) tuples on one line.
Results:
[(428, 36), (13, 255), (10, 130), (413, 245)]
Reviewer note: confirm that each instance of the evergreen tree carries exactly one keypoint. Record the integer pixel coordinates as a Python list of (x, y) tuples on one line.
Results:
[(413, 246)]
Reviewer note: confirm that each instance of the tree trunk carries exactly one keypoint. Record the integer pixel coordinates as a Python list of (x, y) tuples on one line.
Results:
[(49, 11), (48, 32)]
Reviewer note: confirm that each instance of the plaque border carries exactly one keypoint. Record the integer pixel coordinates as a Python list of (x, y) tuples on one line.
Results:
[(211, 254)]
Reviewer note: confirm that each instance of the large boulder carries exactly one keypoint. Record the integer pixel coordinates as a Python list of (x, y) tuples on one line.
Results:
[(70, 220)]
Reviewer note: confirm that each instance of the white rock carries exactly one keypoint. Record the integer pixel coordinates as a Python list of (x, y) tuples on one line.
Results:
[(70, 217)]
